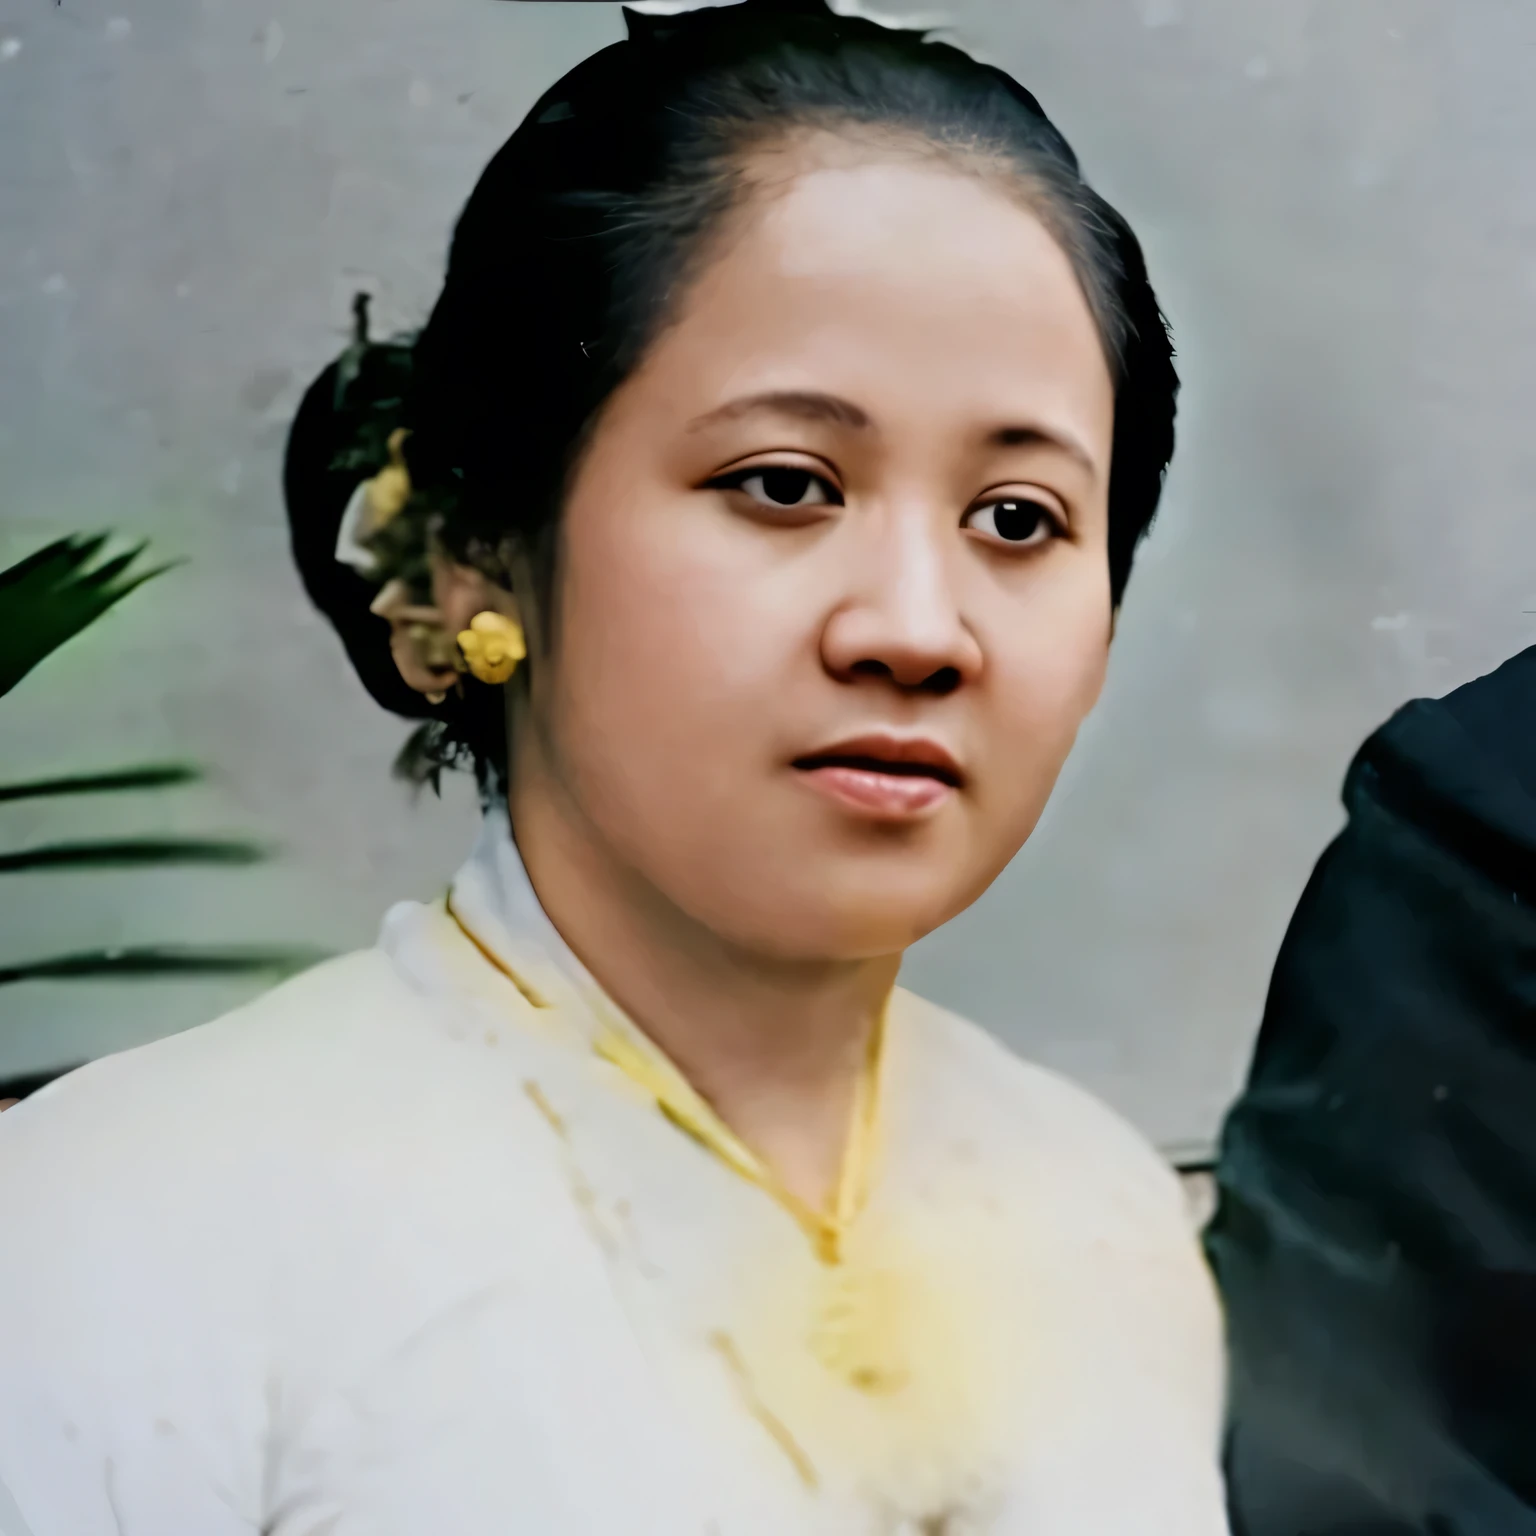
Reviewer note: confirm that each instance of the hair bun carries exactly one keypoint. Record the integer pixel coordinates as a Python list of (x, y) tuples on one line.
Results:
[(337, 439)]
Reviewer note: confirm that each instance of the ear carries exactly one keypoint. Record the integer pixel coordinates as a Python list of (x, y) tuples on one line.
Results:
[(423, 637), (422, 650), (459, 592)]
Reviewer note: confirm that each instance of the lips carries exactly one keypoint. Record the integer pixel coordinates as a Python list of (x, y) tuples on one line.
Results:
[(888, 777)]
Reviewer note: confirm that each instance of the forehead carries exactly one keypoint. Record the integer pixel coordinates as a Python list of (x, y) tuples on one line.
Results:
[(891, 277)]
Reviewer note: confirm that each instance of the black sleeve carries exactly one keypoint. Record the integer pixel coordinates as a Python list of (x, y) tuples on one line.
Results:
[(1375, 1239)]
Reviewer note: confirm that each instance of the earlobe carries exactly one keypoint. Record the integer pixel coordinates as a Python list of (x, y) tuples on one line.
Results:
[(470, 625), (459, 592), (483, 618), (420, 644)]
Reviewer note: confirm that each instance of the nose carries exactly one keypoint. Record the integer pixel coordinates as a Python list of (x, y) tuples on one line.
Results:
[(902, 620)]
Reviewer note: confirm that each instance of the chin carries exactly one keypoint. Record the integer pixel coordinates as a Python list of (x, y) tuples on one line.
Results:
[(845, 915)]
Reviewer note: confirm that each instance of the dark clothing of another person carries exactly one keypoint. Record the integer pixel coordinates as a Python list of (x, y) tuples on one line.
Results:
[(1376, 1235)]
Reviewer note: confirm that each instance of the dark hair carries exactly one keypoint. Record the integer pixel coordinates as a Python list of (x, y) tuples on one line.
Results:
[(586, 226)]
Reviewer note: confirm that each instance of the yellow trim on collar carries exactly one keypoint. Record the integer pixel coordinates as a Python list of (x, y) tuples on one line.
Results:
[(644, 1063)]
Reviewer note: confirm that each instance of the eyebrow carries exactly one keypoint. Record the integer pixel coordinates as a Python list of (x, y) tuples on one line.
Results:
[(806, 404), (813, 405), (1042, 437)]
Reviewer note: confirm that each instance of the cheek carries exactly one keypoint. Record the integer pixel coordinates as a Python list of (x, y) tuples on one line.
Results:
[(1048, 658), (670, 650)]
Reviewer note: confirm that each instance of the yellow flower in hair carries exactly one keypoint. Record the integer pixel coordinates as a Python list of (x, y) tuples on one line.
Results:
[(492, 646), (390, 489)]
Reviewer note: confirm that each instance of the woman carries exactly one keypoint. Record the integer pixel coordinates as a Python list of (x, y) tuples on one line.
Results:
[(746, 516)]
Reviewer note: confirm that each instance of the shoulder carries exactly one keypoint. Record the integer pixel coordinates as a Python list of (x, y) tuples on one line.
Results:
[(1117, 1255), (158, 1210), (345, 1123), (161, 1126), (1033, 1112), (300, 1034), (359, 1085), (229, 1125)]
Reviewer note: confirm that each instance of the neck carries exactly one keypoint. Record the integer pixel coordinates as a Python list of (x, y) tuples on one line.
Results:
[(774, 1045)]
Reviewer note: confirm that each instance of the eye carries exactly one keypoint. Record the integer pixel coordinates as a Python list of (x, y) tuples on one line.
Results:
[(1014, 521), (780, 485)]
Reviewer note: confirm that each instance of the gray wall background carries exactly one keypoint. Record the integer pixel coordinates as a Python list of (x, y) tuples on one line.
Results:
[(1338, 198)]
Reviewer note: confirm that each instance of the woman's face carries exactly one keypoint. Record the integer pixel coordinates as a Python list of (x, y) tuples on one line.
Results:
[(833, 591)]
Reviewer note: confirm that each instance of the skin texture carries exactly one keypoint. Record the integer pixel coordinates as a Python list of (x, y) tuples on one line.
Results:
[(935, 356)]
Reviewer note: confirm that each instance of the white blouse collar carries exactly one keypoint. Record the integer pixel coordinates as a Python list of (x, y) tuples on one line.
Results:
[(493, 901)]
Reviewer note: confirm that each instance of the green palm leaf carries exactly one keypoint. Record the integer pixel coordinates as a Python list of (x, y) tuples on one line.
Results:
[(53, 594), (132, 853), (45, 600), (157, 961), (150, 776)]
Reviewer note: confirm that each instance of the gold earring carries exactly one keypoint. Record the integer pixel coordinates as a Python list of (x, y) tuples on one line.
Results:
[(492, 646)]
